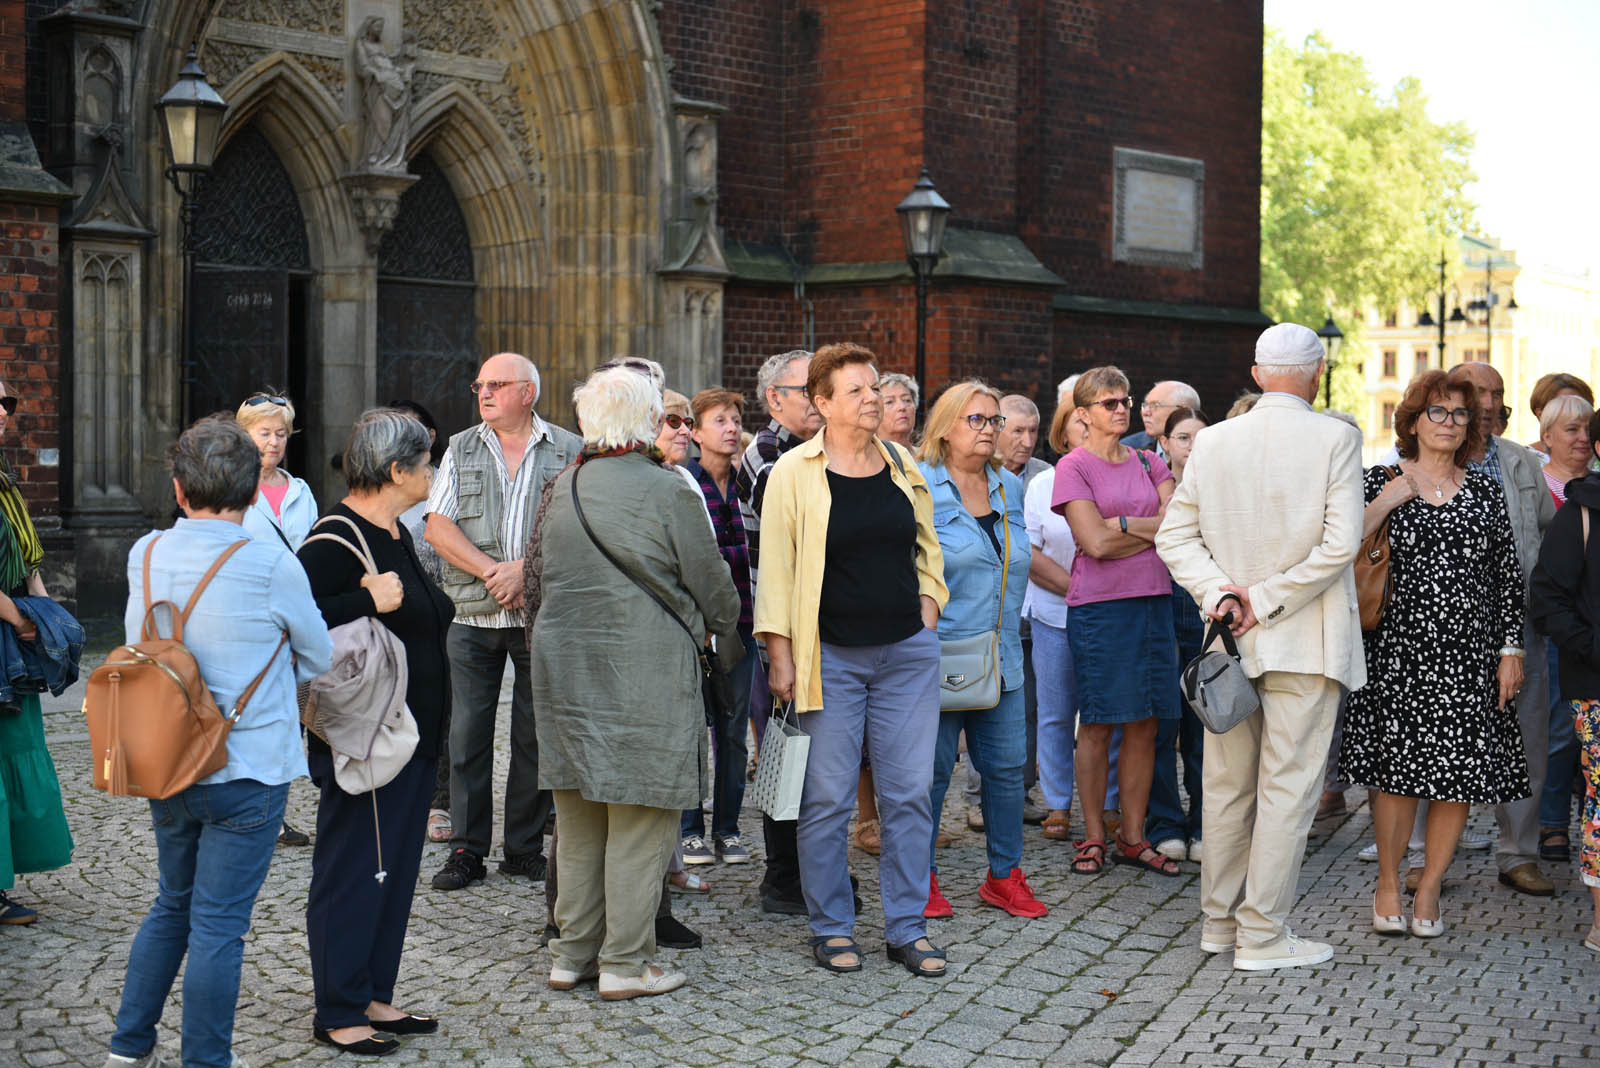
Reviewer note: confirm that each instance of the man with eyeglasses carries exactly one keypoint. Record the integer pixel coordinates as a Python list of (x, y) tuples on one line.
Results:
[(1531, 508), (781, 383), (1157, 405), (480, 512)]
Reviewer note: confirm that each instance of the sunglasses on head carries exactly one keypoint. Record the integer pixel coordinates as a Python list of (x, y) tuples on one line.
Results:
[(9, 404), (267, 398), (676, 421)]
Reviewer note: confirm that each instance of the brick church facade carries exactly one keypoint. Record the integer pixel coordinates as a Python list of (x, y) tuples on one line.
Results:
[(700, 182)]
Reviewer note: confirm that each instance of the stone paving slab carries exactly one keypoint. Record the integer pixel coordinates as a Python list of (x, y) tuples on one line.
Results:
[(1113, 976)]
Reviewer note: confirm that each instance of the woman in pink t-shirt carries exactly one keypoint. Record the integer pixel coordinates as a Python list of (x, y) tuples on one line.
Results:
[(1119, 622)]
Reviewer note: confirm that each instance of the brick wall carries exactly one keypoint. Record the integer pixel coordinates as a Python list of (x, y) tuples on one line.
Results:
[(1215, 358), (29, 352)]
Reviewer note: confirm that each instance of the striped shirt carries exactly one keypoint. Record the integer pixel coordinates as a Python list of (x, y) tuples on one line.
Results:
[(518, 495), (772, 442)]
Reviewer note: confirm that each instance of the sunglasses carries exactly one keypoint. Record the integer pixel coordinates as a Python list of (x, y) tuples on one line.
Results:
[(267, 398), (1438, 413), (1111, 404), (993, 422), (9, 404), (632, 363), (494, 385), (677, 422)]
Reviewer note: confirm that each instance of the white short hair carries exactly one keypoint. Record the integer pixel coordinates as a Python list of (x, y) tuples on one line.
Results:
[(774, 367), (1024, 406), (617, 408), (1183, 394), (1064, 387), (1567, 406)]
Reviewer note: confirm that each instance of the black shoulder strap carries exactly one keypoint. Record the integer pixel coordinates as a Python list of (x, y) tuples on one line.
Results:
[(894, 454), (577, 506)]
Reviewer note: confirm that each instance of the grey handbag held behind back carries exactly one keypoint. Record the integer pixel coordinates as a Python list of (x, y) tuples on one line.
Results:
[(1215, 685)]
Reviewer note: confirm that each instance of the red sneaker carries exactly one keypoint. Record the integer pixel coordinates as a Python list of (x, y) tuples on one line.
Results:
[(1012, 894), (938, 908)]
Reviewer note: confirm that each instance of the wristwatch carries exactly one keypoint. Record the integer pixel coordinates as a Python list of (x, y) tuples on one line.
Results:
[(1122, 521)]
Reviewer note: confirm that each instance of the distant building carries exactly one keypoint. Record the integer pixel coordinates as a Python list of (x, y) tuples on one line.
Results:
[(1526, 320)]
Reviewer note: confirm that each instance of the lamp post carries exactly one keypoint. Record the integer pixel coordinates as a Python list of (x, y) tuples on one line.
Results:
[(1331, 335), (922, 217), (1425, 319), (191, 121)]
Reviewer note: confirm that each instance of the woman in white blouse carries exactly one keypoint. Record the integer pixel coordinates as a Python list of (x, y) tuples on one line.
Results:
[(1046, 605)]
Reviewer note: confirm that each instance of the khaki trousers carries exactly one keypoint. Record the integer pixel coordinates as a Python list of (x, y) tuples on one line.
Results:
[(1262, 781), (613, 858)]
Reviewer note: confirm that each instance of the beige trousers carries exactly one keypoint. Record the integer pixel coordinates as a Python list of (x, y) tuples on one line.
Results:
[(613, 858), (1262, 781)]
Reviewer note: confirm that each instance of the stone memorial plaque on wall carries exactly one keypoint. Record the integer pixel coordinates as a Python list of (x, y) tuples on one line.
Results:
[(1159, 209)]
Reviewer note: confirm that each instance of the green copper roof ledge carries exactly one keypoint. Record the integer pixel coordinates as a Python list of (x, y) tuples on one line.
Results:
[(1154, 309), (969, 255)]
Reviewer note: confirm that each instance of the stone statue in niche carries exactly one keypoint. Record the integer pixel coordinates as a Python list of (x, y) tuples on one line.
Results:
[(385, 81)]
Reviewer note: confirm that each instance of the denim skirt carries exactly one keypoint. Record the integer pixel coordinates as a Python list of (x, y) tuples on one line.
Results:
[(1125, 658)]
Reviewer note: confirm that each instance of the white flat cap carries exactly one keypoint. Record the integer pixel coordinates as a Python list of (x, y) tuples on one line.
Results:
[(1288, 345)]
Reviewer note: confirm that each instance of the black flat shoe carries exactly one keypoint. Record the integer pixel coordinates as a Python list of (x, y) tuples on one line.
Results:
[(371, 1046), (410, 1024)]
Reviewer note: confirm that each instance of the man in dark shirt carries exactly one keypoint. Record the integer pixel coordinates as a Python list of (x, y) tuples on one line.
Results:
[(782, 383)]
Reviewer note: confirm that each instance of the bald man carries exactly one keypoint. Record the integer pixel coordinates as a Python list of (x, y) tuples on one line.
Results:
[(480, 512)]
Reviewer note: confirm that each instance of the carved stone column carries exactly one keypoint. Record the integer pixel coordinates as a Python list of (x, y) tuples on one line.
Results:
[(694, 268)]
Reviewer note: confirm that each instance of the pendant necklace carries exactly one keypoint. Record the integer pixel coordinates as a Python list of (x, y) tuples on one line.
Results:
[(1438, 487)]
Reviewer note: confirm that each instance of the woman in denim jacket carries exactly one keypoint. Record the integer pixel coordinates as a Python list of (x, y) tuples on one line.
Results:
[(977, 514)]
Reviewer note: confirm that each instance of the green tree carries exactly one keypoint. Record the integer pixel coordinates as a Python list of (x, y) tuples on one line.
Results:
[(1359, 192)]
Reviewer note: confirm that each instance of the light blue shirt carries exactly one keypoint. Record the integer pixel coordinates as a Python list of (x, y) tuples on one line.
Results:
[(972, 571), (299, 512), (260, 593)]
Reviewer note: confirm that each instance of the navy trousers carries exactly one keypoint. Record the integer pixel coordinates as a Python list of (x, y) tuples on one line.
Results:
[(357, 924)]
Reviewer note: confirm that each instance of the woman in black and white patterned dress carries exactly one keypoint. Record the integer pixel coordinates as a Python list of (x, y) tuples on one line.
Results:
[(1435, 719)]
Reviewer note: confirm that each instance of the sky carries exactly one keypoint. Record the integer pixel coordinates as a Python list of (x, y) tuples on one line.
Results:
[(1525, 76)]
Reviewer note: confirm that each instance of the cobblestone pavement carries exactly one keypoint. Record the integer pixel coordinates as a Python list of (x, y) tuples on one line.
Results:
[(1113, 976)]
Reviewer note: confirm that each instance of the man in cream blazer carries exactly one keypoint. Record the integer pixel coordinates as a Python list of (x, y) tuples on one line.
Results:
[(1270, 511)]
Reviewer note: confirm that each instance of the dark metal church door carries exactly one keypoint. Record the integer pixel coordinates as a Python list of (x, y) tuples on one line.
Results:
[(251, 279), (427, 325)]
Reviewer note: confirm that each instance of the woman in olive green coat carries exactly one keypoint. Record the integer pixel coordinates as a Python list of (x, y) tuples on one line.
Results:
[(617, 683)]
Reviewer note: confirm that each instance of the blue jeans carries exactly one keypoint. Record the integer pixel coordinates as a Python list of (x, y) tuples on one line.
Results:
[(1178, 740), (1555, 804), (997, 744), (730, 756), (1058, 713), (213, 847), (889, 695)]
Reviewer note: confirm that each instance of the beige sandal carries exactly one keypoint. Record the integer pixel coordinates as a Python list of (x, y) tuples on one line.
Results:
[(869, 837), (1058, 826)]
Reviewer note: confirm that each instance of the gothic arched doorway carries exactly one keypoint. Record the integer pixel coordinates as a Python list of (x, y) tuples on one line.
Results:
[(427, 326), (251, 280)]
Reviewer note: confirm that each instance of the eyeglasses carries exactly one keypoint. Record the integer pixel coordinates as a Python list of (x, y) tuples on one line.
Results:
[(9, 404), (1151, 405), (632, 363), (790, 389), (266, 398), (1182, 439), (676, 421), (1438, 413), (1111, 404), (994, 422), (493, 385)]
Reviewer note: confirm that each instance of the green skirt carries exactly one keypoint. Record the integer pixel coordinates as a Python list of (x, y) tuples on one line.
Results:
[(33, 826)]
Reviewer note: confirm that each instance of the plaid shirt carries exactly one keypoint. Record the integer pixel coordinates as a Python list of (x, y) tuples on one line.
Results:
[(1490, 464), (728, 525), (772, 442)]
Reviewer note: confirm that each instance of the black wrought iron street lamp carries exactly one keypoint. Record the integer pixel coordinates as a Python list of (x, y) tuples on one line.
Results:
[(922, 217), (191, 122), (1331, 335)]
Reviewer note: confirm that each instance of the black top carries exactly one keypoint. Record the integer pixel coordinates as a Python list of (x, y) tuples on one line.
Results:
[(990, 524), (869, 586), (421, 621)]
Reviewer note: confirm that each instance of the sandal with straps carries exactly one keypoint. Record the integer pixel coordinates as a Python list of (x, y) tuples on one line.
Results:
[(1091, 857), (1142, 854), (916, 960), (828, 956), (1057, 826)]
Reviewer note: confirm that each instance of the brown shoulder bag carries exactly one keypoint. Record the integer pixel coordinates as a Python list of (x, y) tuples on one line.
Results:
[(1374, 581), (154, 726)]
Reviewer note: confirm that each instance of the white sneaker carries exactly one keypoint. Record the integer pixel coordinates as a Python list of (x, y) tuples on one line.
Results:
[(1176, 848), (1369, 852), (566, 978), (1196, 851), (654, 981), (1474, 842), (1295, 953), (149, 1060)]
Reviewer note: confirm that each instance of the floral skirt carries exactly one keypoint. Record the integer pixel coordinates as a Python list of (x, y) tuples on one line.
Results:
[(1586, 722)]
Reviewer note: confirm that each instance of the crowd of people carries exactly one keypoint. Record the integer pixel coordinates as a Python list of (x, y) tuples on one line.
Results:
[(905, 590)]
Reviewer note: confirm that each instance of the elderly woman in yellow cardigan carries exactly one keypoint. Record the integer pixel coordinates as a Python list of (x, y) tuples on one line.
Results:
[(852, 584)]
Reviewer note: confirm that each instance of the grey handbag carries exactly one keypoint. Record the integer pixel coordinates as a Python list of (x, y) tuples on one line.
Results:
[(1215, 685), (969, 668)]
